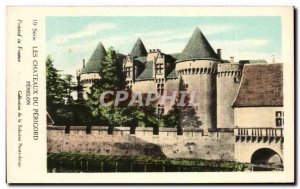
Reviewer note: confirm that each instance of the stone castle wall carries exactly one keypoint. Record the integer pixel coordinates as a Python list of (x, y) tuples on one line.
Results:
[(144, 86), (171, 86), (192, 144), (200, 76), (228, 83)]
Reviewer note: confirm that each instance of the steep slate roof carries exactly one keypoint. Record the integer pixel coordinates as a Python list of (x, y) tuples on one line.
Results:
[(258, 61), (198, 48), (138, 49), (120, 58), (172, 74), (175, 55), (261, 86), (147, 73), (141, 59), (94, 63)]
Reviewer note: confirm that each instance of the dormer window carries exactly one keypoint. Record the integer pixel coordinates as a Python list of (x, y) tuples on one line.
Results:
[(159, 69), (128, 71)]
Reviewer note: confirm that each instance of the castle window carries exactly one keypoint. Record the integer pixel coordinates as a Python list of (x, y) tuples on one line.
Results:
[(128, 87), (128, 71), (159, 69), (237, 79), (279, 118), (160, 91), (160, 88), (160, 110)]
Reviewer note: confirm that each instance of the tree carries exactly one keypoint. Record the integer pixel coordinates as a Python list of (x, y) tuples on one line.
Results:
[(111, 79), (182, 116), (59, 88), (55, 85), (70, 87), (173, 117)]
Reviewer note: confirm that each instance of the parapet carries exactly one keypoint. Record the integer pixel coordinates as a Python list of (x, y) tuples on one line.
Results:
[(110, 130), (230, 70)]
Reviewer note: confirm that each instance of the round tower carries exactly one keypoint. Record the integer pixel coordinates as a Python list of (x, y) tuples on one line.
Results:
[(90, 72), (197, 65), (228, 82)]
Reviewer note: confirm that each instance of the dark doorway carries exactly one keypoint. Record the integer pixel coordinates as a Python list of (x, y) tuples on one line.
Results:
[(266, 156)]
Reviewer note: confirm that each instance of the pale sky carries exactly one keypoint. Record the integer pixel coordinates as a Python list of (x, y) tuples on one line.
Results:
[(71, 39)]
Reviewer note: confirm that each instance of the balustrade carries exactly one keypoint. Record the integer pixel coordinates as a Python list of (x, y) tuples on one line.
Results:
[(267, 134)]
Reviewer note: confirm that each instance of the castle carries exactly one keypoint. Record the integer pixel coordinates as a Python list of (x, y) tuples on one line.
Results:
[(216, 81), (240, 106)]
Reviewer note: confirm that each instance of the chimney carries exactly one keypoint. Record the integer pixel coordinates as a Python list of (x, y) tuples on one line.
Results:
[(83, 63), (231, 59), (219, 52), (273, 59)]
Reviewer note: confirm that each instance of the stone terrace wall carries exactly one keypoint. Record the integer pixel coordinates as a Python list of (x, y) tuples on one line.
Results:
[(192, 144)]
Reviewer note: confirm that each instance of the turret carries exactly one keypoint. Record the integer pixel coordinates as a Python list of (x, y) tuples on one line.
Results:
[(90, 71), (197, 65), (228, 82), (138, 49)]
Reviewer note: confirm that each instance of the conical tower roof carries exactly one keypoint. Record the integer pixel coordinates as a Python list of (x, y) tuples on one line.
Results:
[(198, 48), (138, 49), (94, 63)]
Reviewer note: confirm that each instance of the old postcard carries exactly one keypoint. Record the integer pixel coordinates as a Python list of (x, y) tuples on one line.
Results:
[(150, 95)]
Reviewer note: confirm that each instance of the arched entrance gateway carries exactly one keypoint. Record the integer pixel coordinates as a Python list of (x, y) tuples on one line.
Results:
[(266, 157)]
